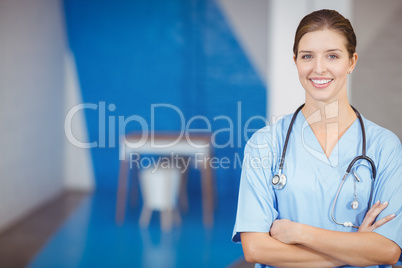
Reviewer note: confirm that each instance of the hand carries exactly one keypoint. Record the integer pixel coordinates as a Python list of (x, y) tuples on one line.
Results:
[(368, 224), (285, 231)]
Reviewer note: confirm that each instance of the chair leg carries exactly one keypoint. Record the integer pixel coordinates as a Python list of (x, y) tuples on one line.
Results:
[(166, 220), (145, 217), (133, 192), (176, 216), (122, 192), (183, 199)]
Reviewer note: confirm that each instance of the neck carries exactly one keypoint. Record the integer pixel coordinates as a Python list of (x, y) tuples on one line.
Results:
[(321, 114), (329, 121)]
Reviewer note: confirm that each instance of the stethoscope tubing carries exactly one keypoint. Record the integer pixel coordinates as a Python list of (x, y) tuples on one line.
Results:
[(365, 158), (348, 170), (285, 146), (346, 224)]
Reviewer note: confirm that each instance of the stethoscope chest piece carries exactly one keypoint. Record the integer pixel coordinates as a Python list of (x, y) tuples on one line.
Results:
[(355, 204), (279, 181)]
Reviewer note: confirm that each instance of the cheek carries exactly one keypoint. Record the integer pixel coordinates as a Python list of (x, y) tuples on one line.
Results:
[(303, 72), (341, 70)]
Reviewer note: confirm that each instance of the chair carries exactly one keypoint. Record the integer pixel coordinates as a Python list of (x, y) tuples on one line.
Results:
[(189, 145), (160, 191)]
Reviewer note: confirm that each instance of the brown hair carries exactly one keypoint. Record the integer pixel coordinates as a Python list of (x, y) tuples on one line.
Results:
[(326, 19)]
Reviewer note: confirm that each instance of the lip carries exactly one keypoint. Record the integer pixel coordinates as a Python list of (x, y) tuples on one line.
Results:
[(321, 85)]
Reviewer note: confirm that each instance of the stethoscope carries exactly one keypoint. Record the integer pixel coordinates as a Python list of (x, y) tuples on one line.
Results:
[(279, 180)]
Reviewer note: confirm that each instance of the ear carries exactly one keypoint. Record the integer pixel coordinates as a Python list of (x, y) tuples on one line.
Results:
[(352, 62), (294, 58)]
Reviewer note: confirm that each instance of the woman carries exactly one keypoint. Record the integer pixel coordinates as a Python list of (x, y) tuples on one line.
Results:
[(315, 218)]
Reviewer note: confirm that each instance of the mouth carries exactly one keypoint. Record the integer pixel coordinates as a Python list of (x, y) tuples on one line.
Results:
[(321, 83)]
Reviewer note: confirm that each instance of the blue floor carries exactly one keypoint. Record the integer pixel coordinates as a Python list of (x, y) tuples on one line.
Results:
[(91, 238)]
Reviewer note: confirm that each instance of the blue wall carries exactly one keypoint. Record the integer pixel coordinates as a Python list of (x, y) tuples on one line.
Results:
[(182, 52)]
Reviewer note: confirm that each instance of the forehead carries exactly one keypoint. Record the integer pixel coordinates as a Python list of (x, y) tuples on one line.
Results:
[(323, 40)]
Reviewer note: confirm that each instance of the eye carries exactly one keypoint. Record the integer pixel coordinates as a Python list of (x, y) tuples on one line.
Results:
[(333, 56), (306, 56)]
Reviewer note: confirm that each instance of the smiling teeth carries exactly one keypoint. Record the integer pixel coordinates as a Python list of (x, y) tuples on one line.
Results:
[(321, 82)]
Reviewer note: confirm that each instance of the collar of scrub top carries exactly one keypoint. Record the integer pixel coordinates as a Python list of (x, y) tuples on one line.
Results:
[(279, 180)]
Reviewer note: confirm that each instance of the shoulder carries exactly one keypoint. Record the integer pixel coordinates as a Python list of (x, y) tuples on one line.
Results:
[(270, 135), (379, 136), (383, 144)]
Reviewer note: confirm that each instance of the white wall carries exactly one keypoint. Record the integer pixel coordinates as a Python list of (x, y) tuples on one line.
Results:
[(31, 105), (78, 166), (248, 20)]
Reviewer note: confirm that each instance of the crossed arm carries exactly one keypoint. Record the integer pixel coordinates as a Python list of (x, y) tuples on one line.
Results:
[(291, 244)]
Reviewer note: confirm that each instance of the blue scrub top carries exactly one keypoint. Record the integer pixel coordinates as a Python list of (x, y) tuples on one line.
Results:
[(313, 179)]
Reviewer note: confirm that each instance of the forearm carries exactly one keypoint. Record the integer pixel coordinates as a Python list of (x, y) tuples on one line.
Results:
[(359, 249), (262, 248)]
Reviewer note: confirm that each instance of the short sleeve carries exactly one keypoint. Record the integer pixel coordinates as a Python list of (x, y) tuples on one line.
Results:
[(256, 208), (388, 187)]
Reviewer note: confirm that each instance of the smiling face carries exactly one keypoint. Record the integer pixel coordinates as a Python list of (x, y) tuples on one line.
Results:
[(323, 64)]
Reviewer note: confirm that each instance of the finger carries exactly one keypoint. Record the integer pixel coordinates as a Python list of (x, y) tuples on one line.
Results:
[(383, 221), (370, 215), (380, 208), (376, 211)]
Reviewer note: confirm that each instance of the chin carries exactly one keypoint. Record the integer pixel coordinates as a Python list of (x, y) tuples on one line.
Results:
[(326, 98)]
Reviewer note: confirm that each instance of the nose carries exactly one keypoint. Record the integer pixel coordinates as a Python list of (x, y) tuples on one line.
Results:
[(319, 67)]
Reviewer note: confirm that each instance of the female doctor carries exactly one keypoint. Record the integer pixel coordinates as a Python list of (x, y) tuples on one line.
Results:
[(325, 207)]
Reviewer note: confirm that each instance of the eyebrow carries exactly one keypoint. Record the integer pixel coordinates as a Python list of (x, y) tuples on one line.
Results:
[(329, 50)]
